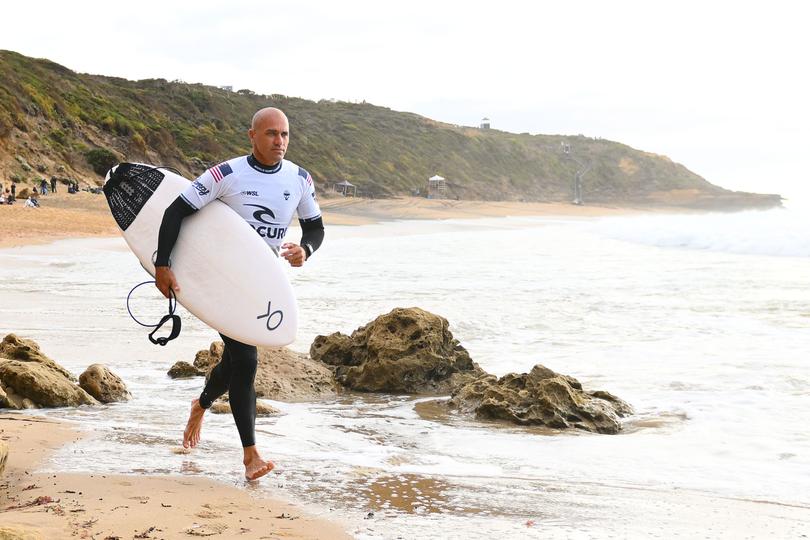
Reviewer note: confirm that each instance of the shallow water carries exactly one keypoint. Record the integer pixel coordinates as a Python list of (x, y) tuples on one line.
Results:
[(700, 322)]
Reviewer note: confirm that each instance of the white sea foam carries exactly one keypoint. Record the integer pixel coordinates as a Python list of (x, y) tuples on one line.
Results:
[(779, 232)]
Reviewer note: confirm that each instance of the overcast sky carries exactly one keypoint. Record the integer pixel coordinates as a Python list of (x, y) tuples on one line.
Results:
[(721, 87)]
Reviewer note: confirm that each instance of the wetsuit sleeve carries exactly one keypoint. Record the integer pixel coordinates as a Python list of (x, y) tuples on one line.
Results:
[(311, 234), (170, 228)]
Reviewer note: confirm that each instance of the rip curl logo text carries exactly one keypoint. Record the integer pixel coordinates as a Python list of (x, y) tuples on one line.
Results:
[(271, 315)]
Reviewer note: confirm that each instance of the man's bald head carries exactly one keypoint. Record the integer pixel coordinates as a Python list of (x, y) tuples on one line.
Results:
[(269, 133), (268, 113)]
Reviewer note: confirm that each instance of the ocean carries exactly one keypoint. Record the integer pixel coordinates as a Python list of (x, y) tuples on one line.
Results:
[(700, 321)]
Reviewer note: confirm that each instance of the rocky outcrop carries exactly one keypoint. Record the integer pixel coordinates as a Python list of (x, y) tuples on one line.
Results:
[(104, 385), (184, 370), (541, 397), (3, 456), (205, 360), (408, 350), (29, 379), (26, 350), (262, 409), (282, 375), (42, 385), (18, 533)]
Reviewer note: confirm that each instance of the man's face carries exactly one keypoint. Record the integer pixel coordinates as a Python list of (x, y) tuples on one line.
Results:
[(270, 136)]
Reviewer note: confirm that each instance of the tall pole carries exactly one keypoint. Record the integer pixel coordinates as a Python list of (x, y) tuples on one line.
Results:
[(581, 171)]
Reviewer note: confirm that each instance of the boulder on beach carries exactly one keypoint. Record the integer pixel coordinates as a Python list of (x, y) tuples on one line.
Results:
[(18, 533), (205, 360), (29, 379), (104, 385), (282, 374), (27, 350), (540, 397), (262, 409), (408, 350), (44, 386), (184, 370), (3, 456)]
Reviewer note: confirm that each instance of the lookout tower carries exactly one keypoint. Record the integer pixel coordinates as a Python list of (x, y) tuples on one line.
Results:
[(485, 123)]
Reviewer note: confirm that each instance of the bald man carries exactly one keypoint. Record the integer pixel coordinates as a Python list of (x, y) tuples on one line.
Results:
[(266, 190)]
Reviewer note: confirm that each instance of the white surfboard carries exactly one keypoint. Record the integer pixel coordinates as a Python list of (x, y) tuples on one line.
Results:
[(228, 276)]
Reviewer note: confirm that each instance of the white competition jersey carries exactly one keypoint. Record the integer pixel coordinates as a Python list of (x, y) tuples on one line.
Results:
[(265, 197)]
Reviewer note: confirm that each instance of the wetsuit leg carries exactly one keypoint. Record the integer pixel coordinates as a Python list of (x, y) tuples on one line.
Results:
[(219, 381), (244, 362)]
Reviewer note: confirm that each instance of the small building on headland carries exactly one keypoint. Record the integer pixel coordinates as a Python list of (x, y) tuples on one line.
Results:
[(485, 123), (346, 189), (437, 187)]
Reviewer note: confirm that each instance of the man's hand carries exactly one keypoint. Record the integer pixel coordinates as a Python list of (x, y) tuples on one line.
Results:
[(165, 280), (294, 254)]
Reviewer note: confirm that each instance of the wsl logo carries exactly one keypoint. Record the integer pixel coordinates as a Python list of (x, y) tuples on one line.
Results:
[(286, 195)]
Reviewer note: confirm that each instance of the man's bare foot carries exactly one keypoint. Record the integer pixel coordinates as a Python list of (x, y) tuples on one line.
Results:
[(191, 436), (255, 466)]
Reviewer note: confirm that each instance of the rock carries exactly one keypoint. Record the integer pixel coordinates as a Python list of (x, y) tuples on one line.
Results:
[(541, 397), (4, 401), (9, 399), (41, 384), (3, 456), (282, 375), (262, 409), (184, 370), (18, 533), (26, 350), (104, 385), (408, 350), (205, 360)]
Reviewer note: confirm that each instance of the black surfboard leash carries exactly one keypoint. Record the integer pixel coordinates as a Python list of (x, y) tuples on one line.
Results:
[(176, 322)]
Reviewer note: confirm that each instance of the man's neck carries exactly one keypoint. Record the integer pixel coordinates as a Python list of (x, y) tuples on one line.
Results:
[(262, 167)]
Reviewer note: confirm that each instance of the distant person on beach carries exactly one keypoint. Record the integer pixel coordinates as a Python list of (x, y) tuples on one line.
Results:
[(53, 184), (245, 183), (32, 202), (14, 190), (43, 186)]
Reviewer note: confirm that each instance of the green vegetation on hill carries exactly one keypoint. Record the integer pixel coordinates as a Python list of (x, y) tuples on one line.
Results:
[(74, 124)]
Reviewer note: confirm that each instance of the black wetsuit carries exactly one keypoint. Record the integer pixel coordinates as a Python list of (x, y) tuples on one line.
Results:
[(245, 184)]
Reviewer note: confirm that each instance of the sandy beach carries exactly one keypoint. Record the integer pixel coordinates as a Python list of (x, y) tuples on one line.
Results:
[(84, 214), (53, 506)]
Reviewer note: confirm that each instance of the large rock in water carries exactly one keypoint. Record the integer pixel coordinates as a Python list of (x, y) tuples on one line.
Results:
[(541, 397), (26, 350), (408, 350), (282, 375), (44, 386), (262, 408), (104, 385), (184, 370)]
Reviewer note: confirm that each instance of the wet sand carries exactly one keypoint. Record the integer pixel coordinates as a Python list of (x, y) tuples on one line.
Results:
[(52, 506)]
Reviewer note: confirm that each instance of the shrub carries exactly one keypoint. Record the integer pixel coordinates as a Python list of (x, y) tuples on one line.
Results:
[(101, 160)]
